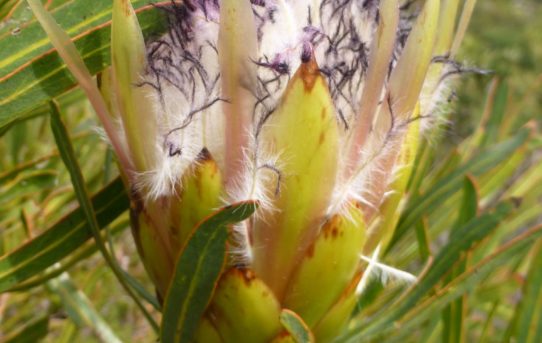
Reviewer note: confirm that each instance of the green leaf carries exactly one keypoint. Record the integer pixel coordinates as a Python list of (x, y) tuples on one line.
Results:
[(451, 183), (197, 271), (422, 236), (493, 126), (80, 309), (67, 154), (26, 185), (296, 327), (31, 72), (33, 332), (468, 281), (85, 252), (62, 238), (454, 329), (469, 203), (464, 283), (529, 312), (465, 237)]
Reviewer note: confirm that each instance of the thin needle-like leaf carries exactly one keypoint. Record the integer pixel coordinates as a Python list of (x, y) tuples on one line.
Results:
[(68, 156)]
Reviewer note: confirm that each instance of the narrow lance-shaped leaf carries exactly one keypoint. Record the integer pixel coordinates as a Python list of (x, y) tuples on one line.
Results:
[(31, 73), (61, 239), (450, 183), (452, 316), (35, 330), (80, 309), (197, 271), (474, 231), (528, 316), (464, 283), (67, 154)]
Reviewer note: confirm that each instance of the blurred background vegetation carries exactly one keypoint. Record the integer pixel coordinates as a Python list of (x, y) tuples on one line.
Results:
[(85, 303), (504, 37)]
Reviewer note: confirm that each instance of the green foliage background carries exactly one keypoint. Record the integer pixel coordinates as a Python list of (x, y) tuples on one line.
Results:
[(78, 299)]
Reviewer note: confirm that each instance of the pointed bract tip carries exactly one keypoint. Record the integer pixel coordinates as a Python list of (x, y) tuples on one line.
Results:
[(309, 71), (204, 155)]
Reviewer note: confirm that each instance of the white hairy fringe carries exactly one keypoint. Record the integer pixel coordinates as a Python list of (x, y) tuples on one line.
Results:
[(255, 183), (282, 38), (240, 252), (436, 103), (162, 179), (378, 147), (382, 272)]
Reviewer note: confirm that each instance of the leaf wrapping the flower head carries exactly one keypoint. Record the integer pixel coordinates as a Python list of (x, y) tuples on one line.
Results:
[(196, 272)]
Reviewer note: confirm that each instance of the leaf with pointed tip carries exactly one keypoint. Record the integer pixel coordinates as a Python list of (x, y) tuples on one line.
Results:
[(197, 271)]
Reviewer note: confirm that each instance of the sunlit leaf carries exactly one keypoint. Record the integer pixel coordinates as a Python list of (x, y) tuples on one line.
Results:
[(196, 272)]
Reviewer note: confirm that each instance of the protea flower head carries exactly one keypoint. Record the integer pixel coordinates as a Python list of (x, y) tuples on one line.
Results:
[(311, 107)]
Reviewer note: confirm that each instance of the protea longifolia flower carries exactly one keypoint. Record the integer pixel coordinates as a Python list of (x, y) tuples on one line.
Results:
[(313, 108)]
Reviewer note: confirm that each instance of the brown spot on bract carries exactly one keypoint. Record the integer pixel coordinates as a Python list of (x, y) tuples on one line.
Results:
[(322, 138), (331, 227), (247, 275), (310, 251)]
